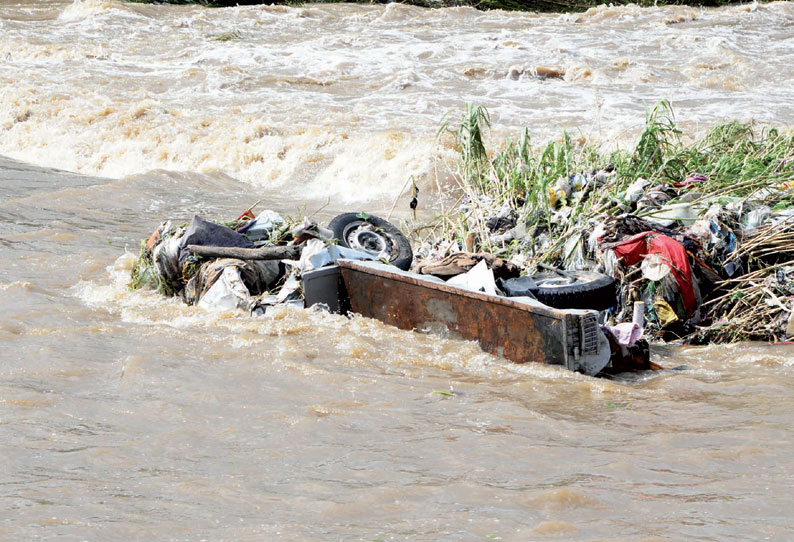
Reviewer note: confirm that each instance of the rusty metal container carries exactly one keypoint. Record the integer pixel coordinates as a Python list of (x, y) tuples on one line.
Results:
[(518, 329)]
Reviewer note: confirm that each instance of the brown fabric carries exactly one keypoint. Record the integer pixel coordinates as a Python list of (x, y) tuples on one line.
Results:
[(461, 262)]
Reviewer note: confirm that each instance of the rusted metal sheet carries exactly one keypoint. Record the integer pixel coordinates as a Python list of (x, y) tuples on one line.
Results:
[(502, 326)]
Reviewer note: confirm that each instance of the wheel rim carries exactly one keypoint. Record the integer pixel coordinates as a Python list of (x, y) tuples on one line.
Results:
[(360, 236), (554, 282)]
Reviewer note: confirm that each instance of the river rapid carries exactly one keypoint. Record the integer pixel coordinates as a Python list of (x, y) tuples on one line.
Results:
[(128, 416)]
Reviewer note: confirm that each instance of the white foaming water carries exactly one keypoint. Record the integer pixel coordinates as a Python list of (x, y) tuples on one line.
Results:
[(85, 9), (344, 101)]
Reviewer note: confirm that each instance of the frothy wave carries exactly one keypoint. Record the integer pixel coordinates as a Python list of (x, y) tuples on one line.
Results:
[(80, 10), (344, 101)]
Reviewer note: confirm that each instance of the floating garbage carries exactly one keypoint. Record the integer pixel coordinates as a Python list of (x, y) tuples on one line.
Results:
[(695, 265), (255, 263), (660, 243), (701, 233)]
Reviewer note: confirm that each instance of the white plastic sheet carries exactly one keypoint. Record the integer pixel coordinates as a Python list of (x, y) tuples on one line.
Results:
[(316, 255), (478, 279), (227, 293)]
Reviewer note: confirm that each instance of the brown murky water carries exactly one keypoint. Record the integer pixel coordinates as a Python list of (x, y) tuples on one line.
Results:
[(124, 416)]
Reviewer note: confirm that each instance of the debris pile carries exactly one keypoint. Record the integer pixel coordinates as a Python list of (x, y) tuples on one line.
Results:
[(256, 261), (703, 234)]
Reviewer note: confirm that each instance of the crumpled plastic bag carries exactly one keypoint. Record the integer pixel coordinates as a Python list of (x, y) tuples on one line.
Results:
[(478, 279), (611, 263), (316, 255), (166, 260), (636, 189), (288, 294), (257, 277), (573, 252), (503, 220), (227, 293), (668, 214), (756, 218), (655, 267), (205, 233), (664, 312), (311, 249), (335, 252), (262, 226), (599, 230), (518, 232)]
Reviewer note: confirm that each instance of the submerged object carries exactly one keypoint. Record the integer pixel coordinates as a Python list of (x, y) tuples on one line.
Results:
[(520, 329)]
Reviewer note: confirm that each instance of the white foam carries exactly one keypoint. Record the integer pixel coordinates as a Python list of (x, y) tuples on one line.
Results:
[(80, 9), (324, 98)]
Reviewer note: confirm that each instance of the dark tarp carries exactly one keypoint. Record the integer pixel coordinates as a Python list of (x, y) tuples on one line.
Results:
[(205, 233)]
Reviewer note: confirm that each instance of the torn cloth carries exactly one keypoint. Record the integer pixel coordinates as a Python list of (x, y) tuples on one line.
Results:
[(625, 334), (634, 249)]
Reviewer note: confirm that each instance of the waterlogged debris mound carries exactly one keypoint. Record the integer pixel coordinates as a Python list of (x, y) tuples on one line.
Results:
[(256, 262), (701, 233), (668, 241)]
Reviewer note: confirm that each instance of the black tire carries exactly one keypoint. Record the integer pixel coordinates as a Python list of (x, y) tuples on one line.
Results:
[(580, 290), (378, 235)]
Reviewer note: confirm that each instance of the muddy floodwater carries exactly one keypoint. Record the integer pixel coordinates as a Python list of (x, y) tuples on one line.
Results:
[(128, 416)]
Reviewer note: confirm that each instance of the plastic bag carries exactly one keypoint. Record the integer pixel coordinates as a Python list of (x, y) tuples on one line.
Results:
[(756, 218), (636, 189), (227, 293), (166, 260), (205, 233), (478, 279), (262, 226)]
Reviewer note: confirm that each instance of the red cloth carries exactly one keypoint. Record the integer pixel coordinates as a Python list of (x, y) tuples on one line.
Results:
[(633, 250), (247, 215)]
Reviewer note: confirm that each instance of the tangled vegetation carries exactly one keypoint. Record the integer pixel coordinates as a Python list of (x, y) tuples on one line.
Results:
[(565, 199), (734, 162)]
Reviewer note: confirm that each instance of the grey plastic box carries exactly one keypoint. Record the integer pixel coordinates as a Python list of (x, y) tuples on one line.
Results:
[(325, 286)]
